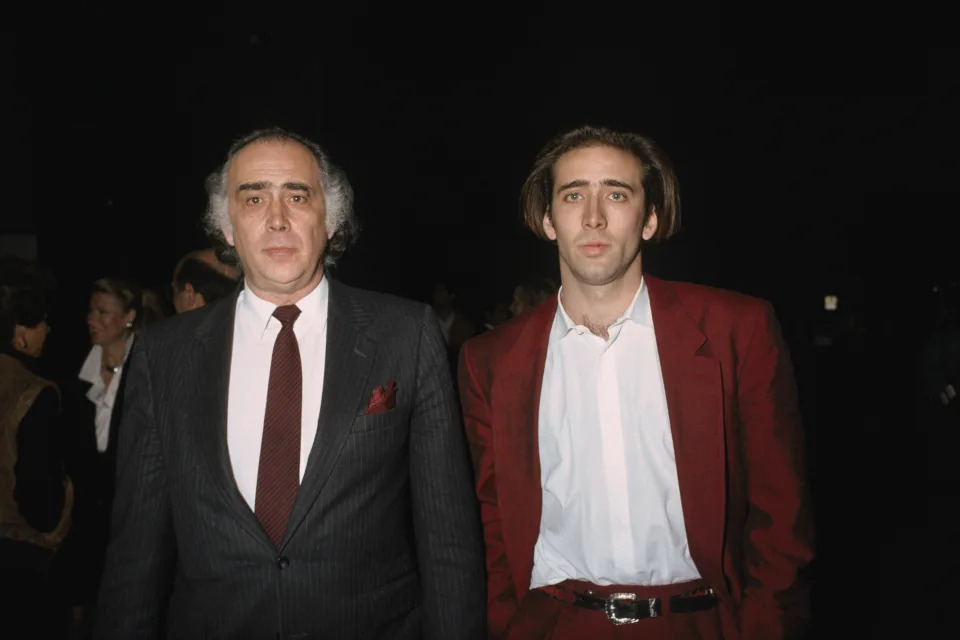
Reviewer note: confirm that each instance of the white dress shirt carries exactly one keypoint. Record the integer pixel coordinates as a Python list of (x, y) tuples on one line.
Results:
[(254, 332), (611, 499), (101, 395)]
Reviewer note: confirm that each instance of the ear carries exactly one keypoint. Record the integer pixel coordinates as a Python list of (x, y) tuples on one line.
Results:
[(329, 225), (548, 226), (20, 337), (130, 316), (227, 230), (650, 227)]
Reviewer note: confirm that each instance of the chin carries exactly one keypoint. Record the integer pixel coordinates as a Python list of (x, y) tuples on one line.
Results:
[(283, 272)]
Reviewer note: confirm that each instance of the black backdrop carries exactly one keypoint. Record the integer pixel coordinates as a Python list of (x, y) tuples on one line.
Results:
[(803, 173)]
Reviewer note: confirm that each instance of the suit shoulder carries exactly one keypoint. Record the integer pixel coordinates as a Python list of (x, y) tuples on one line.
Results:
[(176, 328), (502, 337), (378, 301), (385, 313), (711, 298)]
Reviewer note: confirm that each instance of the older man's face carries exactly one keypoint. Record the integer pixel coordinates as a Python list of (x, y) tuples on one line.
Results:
[(278, 219)]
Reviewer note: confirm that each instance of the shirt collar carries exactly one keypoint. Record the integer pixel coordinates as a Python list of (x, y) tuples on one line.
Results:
[(257, 313), (90, 371), (637, 312)]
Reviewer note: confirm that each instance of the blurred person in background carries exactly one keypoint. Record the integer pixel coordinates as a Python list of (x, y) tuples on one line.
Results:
[(530, 292), (199, 278), (455, 324), (118, 308), (36, 495)]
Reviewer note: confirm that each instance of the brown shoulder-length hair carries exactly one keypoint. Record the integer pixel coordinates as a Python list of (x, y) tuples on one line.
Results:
[(660, 188)]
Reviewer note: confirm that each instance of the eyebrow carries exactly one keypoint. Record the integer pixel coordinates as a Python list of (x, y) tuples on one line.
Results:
[(609, 182), (260, 186)]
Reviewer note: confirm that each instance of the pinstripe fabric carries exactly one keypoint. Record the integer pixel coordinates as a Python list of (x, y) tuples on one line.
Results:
[(278, 474), (384, 537)]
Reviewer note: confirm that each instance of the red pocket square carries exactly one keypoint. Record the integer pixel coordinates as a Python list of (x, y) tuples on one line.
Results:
[(383, 399)]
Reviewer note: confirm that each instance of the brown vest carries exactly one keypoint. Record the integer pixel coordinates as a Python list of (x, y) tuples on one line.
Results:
[(19, 387)]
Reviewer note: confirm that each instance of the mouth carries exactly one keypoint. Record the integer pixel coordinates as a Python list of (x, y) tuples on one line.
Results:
[(279, 252), (593, 248)]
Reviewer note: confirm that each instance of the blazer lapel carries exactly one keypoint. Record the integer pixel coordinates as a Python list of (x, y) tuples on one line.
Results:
[(694, 393), (516, 396), (349, 356), (215, 347)]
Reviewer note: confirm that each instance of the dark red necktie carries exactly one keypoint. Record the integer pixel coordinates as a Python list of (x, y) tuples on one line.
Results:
[(278, 476)]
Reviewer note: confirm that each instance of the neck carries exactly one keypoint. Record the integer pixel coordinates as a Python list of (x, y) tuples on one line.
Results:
[(113, 352), (292, 294), (599, 306)]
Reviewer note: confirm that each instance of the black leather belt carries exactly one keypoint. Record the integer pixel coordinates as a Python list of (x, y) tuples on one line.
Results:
[(627, 608)]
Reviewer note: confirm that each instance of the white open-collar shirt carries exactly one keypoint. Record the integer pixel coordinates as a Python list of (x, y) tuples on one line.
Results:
[(611, 498)]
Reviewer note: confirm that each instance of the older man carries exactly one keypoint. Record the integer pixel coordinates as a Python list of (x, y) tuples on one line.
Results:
[(292, 462)]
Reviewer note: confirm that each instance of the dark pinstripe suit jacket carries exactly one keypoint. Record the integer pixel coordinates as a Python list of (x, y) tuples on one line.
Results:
[(384, 540)]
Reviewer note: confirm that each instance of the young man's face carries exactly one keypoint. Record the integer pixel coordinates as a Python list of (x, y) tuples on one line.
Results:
[(597, 215), (278, 218)]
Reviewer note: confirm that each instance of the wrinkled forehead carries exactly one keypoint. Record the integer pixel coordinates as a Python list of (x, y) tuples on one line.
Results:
[(273, 161)]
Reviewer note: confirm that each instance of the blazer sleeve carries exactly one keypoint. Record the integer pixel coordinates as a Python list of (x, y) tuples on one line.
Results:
[(445, 517), (140, 552), (502, 602), (778, 535)]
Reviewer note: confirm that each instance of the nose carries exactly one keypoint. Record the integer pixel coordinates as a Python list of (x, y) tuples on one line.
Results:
[(277, 219), (593, 217)]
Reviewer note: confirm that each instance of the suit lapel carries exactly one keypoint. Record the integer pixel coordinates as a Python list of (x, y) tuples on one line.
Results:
[(694, 391), (517, 399), (349, 356), (215, 347)]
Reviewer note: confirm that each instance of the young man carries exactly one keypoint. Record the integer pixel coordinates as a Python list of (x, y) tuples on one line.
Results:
[(636, 442)]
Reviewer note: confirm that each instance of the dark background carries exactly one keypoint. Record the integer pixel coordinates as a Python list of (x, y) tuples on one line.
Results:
[(803, 172)]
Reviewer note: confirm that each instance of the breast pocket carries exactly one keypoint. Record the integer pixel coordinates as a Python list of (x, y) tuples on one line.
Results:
[(392, 418)]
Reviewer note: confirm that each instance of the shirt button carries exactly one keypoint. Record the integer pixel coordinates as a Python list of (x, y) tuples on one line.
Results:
[(283, 562)]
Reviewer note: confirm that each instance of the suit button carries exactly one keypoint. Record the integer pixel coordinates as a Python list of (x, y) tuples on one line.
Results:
[(283, 562)]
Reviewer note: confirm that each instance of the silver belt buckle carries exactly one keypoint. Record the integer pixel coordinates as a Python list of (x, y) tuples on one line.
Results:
[(615, 598)]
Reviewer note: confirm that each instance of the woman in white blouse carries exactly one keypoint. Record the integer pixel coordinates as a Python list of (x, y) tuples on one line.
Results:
[(112, 318), (115, 314)]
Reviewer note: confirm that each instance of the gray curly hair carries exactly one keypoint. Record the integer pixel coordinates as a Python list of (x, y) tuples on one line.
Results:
[(337, 197)]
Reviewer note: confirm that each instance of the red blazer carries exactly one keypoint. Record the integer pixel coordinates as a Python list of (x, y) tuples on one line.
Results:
[(737, 436)]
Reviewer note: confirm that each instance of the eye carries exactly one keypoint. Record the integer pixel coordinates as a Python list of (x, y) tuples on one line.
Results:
[(254, 200), (618, 196), (572, 197), (298, 199)]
